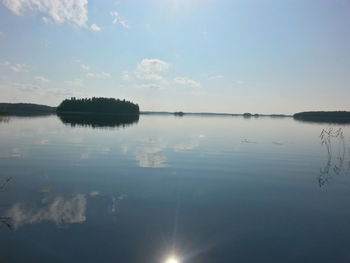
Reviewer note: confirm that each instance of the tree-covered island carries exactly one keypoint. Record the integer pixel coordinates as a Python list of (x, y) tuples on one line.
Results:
[(324, 116), (98, 105)]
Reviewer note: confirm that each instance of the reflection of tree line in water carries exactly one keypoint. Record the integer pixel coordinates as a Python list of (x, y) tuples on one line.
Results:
[(4, 119), (334, 142), (98, 120), (5, 220)]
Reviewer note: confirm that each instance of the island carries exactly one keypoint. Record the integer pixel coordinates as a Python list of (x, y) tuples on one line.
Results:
[(98, 105), (324, 116), (178, 113), (98, 112)]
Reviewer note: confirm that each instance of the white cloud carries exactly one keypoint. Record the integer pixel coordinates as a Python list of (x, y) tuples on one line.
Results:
[(19, 68), (187, 82), (58, 211), (102, 75), (216, 77), (95, 28), (57, 11), (94, 193), (41, 79), (1, 34), (125, 76), (15, 67), (152, 65), (26, 87), (151, 77), (118, 20), (85, 67), (149, 86), (151, 70), (61, 92)]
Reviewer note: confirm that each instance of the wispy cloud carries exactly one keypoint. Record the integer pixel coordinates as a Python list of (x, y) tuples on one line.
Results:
[(28, 90), (85, 67), (19, 68), (125, 76), (187, 82), (74, 83), (151, 77), (25, 87), (4, 64), (42, 79), (216, 77), (149, 86), (55, 11), (15, 67), (102, 75), (95, 28), (118, 20)]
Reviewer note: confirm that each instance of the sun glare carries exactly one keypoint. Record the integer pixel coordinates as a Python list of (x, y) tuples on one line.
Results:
[(172, 260)]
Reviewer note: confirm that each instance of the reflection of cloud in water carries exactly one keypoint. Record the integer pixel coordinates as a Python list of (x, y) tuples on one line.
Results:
[(85, 155), (94, 151), (151, 157), (13, 153), (58, 211), (189, 145), (42, 141), (116, 203), (124, 149), (186, 146), (94, 193)]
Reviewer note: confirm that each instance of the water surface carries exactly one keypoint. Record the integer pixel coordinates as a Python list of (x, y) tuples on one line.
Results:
[(204, 189)]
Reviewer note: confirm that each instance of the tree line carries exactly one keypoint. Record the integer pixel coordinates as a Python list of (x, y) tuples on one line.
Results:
[(98, 105)]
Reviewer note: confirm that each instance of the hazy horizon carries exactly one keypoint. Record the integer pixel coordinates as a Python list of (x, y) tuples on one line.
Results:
[(276, 57)]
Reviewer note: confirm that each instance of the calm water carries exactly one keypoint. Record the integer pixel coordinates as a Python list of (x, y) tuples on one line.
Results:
[(204, 189)]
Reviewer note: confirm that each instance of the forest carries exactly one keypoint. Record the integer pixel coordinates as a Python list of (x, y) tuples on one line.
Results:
[(324, 116), (98, 105)]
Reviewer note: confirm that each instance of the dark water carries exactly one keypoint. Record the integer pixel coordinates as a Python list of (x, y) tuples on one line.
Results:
[(201, 189)]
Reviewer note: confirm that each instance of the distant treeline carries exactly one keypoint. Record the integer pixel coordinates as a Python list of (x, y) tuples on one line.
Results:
[(324, 116), (98, 105), (25, 108)]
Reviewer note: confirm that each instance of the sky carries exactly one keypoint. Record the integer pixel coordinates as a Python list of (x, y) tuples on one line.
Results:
[(232, 56)]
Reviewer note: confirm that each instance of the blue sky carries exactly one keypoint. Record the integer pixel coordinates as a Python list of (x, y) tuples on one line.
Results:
[(273, 56)]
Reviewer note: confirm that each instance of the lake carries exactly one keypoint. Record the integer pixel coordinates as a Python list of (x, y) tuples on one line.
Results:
[(174, 189)]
